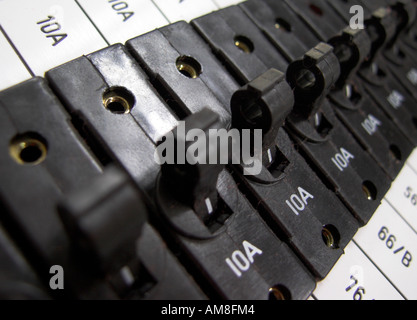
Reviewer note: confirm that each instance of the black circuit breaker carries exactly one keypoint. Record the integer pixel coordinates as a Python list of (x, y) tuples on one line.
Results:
[(223, 234), (83, 189), (380, 83), (41, 159), (364, 119), (79, 232), (210, 246), (105, 116), (328, 145), (287, 191), (285, 173), (135, 262)]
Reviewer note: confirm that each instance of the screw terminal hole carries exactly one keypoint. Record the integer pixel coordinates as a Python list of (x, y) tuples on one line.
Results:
[(244, 44), (279, 292), (118, 100), (28, 149), (189, 67), (283, 25), (370, 190), (395, 152), (331, 236)]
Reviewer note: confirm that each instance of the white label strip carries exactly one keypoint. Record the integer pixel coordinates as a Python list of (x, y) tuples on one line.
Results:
[(392, 245), (49, 33), (176, 10), (12, 69), (403, 196), (355, 278), (120, 21)]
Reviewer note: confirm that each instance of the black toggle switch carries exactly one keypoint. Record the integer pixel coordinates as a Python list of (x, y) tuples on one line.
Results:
[(107, 223), (287, 193), (194, 184), (95, 218), (329, 146), (351, 47), (370, 126), (263, 104), (240, 256), (312, 78), (43, 159)]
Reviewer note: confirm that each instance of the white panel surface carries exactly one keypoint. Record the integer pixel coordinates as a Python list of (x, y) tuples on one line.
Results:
[(120, 21), (392, 245), (403, 196), (187, 10), (12, 69), (48, 33), (355, 278)]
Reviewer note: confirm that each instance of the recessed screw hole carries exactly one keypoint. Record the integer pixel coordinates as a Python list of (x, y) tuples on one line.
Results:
[(189, 67), (395, 152), (28, 149), (283, 25), (244, 44), (370, 190), (279, 292), (330, 236), (118, 100)]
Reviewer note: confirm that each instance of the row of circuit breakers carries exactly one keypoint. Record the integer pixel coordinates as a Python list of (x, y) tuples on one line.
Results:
[(80, 189)]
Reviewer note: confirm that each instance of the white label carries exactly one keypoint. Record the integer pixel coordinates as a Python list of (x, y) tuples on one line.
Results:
[(176, 10), (12, 69), (121, 8), (298, 202), (240, 261), (48, 33), (371, 124), (52, 30), (354, 277), (120, 21), (392, 245), (403, 196), (341, 160), (396, 99)]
